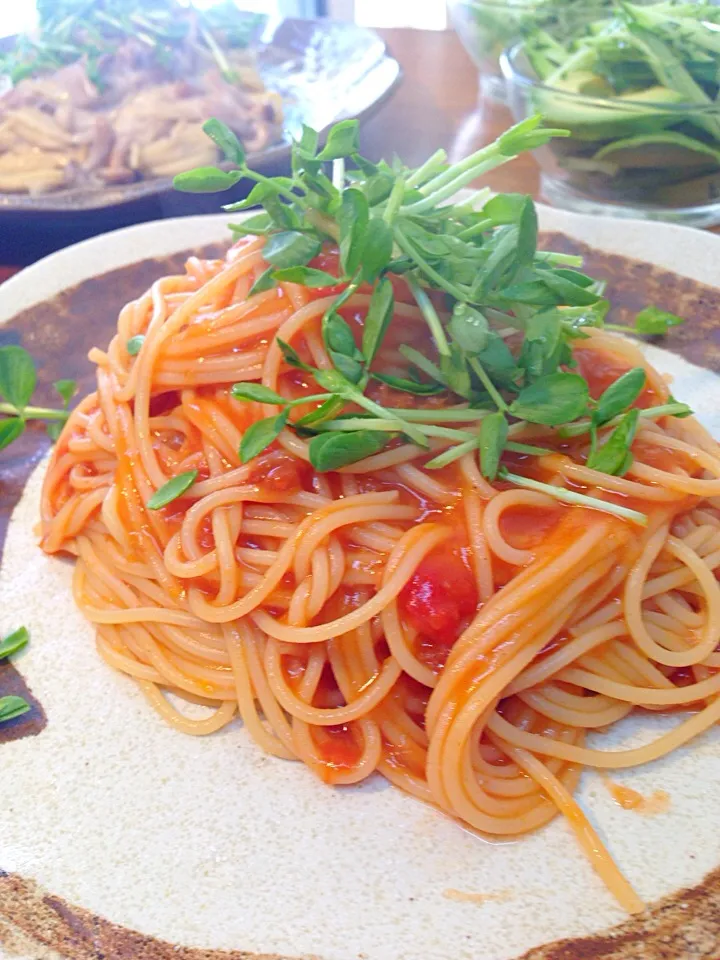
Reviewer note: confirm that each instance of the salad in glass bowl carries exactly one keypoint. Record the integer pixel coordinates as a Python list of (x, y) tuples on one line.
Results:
[(487, 27), (639, 93)]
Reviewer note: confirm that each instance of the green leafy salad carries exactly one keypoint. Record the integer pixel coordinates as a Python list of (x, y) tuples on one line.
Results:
[(495, 367), (501, 314), (488, 26), (639, 92)]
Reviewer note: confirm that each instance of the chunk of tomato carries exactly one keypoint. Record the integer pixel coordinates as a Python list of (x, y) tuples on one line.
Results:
[(440, 597)]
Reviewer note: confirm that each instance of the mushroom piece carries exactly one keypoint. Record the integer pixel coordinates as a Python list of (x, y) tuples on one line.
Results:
[(38, 129), (171, 154), (101, 144)]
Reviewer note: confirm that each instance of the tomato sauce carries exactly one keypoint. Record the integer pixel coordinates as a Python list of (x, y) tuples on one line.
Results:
[(338, 747), (163, 403), (440, 598), (279, 473), (525, 527)]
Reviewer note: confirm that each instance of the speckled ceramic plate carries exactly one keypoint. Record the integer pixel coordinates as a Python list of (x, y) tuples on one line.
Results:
[(325, 70), (120, 838)]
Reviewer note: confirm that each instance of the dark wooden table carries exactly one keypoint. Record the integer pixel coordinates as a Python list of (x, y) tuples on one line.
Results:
[(437, 105)]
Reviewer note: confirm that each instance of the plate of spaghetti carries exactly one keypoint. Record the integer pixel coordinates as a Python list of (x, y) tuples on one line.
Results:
[(413, 486)]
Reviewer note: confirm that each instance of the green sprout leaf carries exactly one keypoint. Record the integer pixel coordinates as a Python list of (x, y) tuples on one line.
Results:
[(339, 338), (17, 376), (410, 386), (291, 356), (172, 490), (307, 276), (330, 451), (12, 707), (224, 138), (342, 141), (206, 180), (66, 389), (260, 435), (377, 249), (552, 400), (619, 396), (266, 281), (256, 392), (614, 457), (13, 642), (654, 322), (291, 249), (134, 344), (353, 218), (379, 315), (10, 430), (469, 328), (493, 436)]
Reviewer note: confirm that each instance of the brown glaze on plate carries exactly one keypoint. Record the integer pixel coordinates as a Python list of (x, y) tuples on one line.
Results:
[(34, 923)]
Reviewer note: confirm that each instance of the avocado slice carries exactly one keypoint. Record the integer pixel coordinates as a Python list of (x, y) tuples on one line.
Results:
[(637, 112)]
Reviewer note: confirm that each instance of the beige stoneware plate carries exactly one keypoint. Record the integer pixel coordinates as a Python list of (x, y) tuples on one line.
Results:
[(121, 838)]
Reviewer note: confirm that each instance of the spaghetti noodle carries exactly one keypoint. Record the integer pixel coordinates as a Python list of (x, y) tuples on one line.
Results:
[(458, 636)]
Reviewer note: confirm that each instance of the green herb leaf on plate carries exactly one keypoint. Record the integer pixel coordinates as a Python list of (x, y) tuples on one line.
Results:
[(256, 392), (377, 249), (330, 451), (266, 281), (469, 328), (260, 435), (410, 386), (13, 642), (353, 218), (505, 207), (306, 276), (66, 389), (654, 322), (349, 367), (224, 138), (17, 376), (326, 411), (619, 396), (527, 232), (134, 344), (343, 141), (377, 320), (12, 707), (291, 249), (552, 400), (10, 430), (612, 456), (493, 436), (171, 490), (291, 356), (338, 336), (206, 180)]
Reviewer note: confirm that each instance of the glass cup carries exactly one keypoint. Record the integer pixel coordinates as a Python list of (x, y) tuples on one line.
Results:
[(487, 27), (624, 157)]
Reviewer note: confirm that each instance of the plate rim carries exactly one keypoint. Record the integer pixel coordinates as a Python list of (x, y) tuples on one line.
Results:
[(65, 268), (59, 272)]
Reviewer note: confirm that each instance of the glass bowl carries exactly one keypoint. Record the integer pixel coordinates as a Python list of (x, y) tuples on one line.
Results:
[(624, 157), (487, 27)]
